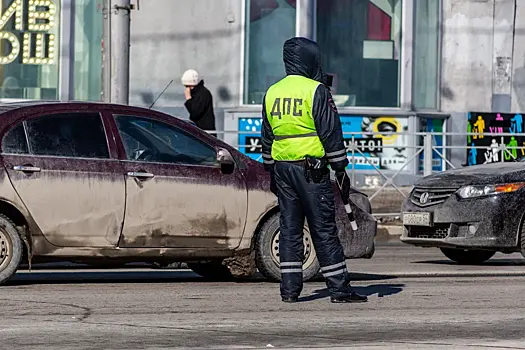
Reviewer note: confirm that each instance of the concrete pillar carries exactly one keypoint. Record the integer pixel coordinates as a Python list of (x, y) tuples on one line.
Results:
[(305, 19), (502, 55), (66, 60), (116, 50)]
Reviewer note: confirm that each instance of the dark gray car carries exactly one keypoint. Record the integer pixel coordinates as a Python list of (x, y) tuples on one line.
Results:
[(469, 213)]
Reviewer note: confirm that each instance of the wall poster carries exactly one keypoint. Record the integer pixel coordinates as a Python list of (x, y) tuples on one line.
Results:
[(391, 157), (433, 126), (494, 124)]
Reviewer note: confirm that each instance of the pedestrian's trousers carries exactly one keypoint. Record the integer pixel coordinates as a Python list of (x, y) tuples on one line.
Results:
[(298, 199)]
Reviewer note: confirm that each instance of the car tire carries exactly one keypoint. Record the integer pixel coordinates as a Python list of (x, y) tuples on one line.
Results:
[(467, 257), (522, 238), (266, 253), (11, 249), (214, 271)]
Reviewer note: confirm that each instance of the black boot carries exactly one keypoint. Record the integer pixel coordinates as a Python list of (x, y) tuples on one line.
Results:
[(352, 298)]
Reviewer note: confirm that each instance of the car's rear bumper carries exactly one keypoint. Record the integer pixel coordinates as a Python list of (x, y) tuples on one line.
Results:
[(491, 222), (360, 243)]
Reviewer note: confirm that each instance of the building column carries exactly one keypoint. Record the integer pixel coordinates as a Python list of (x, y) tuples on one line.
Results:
[(503, 48), (305, 19), (66, 57)]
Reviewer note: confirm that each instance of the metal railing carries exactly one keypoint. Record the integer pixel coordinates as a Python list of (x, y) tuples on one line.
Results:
[(419, 150)]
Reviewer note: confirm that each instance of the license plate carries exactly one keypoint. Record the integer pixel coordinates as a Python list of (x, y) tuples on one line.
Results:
[(417, 219)]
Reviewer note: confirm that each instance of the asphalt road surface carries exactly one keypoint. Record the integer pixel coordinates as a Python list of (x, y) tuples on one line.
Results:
[(417, 300)]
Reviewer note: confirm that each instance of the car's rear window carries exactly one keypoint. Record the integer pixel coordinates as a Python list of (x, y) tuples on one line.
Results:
[(79, 135), (68, 135)]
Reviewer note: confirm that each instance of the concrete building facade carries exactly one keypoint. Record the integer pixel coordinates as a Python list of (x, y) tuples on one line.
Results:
[(398, 65)]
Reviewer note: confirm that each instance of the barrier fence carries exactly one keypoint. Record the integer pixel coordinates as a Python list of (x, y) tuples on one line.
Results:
[(419, 154)]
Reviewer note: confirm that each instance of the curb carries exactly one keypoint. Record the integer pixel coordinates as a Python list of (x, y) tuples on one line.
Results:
[(387, 231)]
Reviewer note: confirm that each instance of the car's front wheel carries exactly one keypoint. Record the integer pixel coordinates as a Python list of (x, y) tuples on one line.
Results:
[(467, 257), (267, 252), (11, 249)]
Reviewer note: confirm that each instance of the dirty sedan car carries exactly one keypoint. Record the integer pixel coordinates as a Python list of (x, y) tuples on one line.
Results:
[(109, 184), (469, 213)]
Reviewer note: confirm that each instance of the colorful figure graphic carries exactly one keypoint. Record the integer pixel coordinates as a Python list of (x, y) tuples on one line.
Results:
[(469, 130), (516, 124), (473, 154), (480, 127), (497, 129), (513, 152), (495, 150), (488, 156)]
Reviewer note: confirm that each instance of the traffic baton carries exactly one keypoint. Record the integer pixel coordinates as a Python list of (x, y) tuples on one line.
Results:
[(348, 208)]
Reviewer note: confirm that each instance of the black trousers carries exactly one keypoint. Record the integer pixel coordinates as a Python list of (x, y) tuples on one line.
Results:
[(315, 201)]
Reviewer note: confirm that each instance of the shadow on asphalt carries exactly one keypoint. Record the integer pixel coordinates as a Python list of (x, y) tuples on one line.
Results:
[(494, 262), (380, 289), (153, 276)]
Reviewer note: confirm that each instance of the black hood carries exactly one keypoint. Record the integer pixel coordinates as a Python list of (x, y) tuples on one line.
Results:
[(301, 56), (477, 175)]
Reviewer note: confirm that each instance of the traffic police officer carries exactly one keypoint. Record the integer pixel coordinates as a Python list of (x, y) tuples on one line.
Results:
[(301, 133)]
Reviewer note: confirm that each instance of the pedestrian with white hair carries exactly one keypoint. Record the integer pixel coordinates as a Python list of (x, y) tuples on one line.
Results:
[(199, 101)]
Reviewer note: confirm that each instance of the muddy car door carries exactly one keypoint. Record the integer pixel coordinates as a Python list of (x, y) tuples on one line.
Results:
[(60, 164), (178, 194)]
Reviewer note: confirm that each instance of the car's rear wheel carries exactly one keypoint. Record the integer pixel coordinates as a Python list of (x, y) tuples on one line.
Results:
[(267, 252), (212, 270), (11, 249), (466, 256)]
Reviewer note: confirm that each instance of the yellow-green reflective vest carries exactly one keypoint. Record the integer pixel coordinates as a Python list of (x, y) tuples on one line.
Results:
[(289, 104)]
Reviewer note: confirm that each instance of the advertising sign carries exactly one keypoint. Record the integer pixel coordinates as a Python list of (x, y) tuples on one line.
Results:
[(433, 125), (380, 150), (494, 124), (26, 25)]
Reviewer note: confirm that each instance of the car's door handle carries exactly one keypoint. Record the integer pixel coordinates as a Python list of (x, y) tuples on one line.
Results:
[(139, 174), (26, 168)]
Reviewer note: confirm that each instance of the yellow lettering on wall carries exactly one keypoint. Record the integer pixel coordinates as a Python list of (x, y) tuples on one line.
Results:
[(41, 20), (16, 9), (15, 47)]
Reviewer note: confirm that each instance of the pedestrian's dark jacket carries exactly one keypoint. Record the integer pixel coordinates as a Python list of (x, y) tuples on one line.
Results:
[(302, 57), (200, 107)]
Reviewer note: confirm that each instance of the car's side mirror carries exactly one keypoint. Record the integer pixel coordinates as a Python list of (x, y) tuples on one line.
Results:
[(226, 161)]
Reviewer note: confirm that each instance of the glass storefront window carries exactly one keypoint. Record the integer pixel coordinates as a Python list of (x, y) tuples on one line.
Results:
[(88, 54), (29, 46), (269, 23), (426, 54), (360, 41)]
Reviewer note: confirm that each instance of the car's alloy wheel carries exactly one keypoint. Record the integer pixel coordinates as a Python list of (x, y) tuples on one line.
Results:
[(6, 250), (267, 252), (11, 249), (309, 251), (467, 257)]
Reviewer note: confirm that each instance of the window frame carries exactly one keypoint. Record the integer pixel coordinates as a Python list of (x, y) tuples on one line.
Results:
[(245, 46), (405, 67), (123, 157), (57, 112), (11, 128)]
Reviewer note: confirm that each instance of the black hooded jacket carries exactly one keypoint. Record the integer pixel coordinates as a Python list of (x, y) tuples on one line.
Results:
[(302, 57), (200, 107)]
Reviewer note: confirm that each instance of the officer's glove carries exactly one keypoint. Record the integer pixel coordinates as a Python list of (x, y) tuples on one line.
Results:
[(343, 182)]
